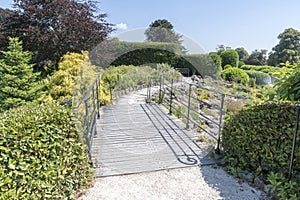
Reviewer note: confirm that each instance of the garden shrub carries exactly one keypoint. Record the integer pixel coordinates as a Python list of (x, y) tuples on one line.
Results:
[(288, 84), (260, 77), (230, 57), (259, 139), (42, 154), (227, 66), (217, 59), (266, 69), (236, 75), (240, 64)]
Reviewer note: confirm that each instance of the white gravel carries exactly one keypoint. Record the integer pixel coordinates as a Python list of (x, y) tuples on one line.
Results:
[(187, 183)]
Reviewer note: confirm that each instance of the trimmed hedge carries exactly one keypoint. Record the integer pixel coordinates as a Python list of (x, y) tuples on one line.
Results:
[(42, 155), (236, 75), (259, 139), (116, 53), (266, 69), (260, 77)]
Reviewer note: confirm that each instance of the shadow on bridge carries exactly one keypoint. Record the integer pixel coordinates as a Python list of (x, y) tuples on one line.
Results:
[(134, 136)]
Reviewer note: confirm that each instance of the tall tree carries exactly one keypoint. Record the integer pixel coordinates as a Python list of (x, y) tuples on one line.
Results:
[(52, 28), (288, 48), (162, 30), (257, 57), (221, 47), (18, 82), (243, 54)]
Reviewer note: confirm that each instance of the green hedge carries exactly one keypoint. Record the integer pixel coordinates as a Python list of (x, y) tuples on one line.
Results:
[(236, 75), (266, 69), (42, 155), (260, 77), (119, 53), (259, 139)]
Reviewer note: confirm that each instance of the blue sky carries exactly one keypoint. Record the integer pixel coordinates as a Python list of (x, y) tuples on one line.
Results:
[(252, 24)]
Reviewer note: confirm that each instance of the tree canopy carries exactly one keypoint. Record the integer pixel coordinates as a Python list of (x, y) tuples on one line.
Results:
[(243, 54), (51, 28), (288, 48), (257, 57), (229, 57), (162, 30)]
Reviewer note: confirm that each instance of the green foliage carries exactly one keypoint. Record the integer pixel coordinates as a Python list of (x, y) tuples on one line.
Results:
[(257, 57), (266, 69), (217, 59), (126, 76), (240, 64), (227, 66), (236, 75), (230, 57), (259, 139), (52, 29), (42, 155), (288, 84), (288, 48), (286, 189), (162, 30), (261, 78), (201, 64), (18, 83), (243, 54), (148, 53)]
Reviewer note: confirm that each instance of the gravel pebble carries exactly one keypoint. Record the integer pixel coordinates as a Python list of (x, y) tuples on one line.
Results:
[(187, 183)]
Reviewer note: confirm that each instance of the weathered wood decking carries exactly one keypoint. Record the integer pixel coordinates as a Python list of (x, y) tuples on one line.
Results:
[(133, 137)]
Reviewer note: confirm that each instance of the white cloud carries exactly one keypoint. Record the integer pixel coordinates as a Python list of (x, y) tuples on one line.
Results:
[(121, 26)]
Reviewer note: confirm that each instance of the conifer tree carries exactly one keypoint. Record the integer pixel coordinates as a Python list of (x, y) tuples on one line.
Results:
[(18, 82)]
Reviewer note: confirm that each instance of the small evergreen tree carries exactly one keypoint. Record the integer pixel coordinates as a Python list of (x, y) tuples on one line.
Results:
[(18, 82)]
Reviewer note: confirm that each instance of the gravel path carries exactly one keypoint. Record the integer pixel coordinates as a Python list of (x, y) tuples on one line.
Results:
[(183, 184)]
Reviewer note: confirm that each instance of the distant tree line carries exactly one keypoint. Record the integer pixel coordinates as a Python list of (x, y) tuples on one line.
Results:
[(287, 50)]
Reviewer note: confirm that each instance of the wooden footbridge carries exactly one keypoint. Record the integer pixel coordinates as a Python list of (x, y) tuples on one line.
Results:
[(134, 134)]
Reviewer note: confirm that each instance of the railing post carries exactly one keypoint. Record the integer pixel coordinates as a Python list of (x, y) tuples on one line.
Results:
[(189, 107), (171, 97), (97, 96), (160, 90), (87, 125), (110, 93), (148, 100), (220, 123), (294, 142)]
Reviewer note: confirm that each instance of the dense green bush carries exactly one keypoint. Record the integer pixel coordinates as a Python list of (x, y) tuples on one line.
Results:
[(126, 76), (259, 139), (42, 155), (217, 59), (227, 66), (236, 75), (266, 69), (260, 77), (230, 57), (288, 85)]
